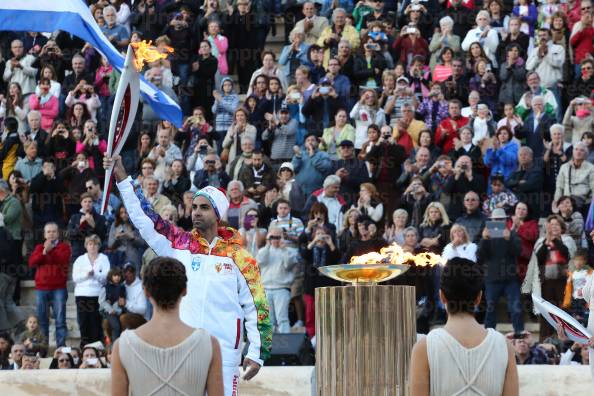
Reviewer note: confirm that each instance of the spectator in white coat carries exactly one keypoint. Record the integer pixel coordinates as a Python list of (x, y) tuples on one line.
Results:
[(135, 300), (89, 274), (483, 34), (460, 245)]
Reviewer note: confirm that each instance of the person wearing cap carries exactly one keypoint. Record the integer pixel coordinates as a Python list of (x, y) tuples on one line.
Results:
[(498, 254), (285, 177), (281, 136), (224, 291), (351, 170), (402, 95)]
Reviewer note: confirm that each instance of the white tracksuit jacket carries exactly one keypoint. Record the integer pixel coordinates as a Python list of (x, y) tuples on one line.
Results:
[(224, 287)]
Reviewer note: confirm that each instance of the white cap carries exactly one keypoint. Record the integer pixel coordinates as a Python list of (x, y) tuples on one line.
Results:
[(217, 199)]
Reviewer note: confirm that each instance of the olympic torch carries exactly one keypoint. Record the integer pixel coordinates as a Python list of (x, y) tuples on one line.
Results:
[(126, 104)]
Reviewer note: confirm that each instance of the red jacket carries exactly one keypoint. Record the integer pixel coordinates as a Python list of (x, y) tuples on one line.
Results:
[(52, 268), (582, 43), (447, 131)]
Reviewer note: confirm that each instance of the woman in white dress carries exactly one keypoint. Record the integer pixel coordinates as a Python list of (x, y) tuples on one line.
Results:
[(185, 362), (463, 358)]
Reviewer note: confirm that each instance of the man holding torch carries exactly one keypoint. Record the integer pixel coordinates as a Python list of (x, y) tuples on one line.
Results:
[(224, 289)]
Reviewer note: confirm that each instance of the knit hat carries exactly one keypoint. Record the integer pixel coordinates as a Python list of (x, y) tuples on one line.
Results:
[(217, 199)]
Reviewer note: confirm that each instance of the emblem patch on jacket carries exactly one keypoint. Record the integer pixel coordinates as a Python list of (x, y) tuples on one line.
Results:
[(195, 263)]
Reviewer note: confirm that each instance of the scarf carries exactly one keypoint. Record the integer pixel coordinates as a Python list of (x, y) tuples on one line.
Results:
[(43, 99), (215, 49)]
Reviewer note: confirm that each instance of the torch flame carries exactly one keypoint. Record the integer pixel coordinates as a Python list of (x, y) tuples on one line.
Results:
[(145, 52), (394, 254)]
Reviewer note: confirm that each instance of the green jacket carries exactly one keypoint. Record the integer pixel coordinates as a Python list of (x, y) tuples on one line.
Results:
[(11, 210)]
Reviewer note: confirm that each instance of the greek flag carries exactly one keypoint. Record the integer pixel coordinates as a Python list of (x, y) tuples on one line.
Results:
[(74, 16)]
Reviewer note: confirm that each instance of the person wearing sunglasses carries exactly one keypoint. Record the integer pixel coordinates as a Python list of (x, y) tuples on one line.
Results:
[(211, 174)]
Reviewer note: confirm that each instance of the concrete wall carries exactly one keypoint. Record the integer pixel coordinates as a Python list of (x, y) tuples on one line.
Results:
[(275, 381)]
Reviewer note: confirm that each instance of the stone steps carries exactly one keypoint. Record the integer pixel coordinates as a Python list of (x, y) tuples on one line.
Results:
[(28, 305)]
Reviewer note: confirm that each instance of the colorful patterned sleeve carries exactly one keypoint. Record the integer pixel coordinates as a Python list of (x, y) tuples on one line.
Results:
[(159, 234), (255, 306)]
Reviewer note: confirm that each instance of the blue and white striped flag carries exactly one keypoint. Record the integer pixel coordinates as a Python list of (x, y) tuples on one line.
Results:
[(74, 16)]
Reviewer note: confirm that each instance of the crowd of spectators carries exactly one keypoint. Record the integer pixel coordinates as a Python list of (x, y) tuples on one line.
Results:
[(462, 128)]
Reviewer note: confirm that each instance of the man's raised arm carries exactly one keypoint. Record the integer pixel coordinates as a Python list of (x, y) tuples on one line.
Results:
[(158, 233)]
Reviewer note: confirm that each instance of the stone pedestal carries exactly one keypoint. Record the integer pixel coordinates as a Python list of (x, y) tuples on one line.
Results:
[(364, 338)]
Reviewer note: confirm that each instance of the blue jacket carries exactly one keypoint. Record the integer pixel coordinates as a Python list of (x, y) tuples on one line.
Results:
[(225, 109), (504, 160), (311, 171), (287, 53)]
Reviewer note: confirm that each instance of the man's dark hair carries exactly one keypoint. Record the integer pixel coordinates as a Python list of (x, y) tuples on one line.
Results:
[(461, 283), (165, 280), (283, 200), (257, 151), (95, 181), (11, 124)]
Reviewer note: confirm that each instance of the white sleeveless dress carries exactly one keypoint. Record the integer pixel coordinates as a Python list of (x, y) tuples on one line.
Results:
[(178, 370), (459, 371)]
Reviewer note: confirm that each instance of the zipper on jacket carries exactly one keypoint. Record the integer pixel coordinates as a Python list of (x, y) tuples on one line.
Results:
[(238, 334)]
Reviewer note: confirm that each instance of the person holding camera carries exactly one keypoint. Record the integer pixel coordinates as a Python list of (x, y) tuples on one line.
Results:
[(84, 93), (499, 249), (318, 251), (116, 34), (19, 68), (582, 121), (410, 45), (465, 180), (276, 263), (322, 106), (51, 260), (45, 103), (369, 66)]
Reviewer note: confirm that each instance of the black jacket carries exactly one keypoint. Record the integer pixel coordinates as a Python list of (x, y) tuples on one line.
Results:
[(474, 224), (314, 111), (458, 189), (350, 185), (498, 256), (77, 232), (363, 73), (535, 138), (201, 179), (527, 185)]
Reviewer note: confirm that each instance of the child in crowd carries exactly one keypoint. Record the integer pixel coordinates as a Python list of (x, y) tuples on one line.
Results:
[(576, 280), (32, 337), (112, 301), (276, 263)]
